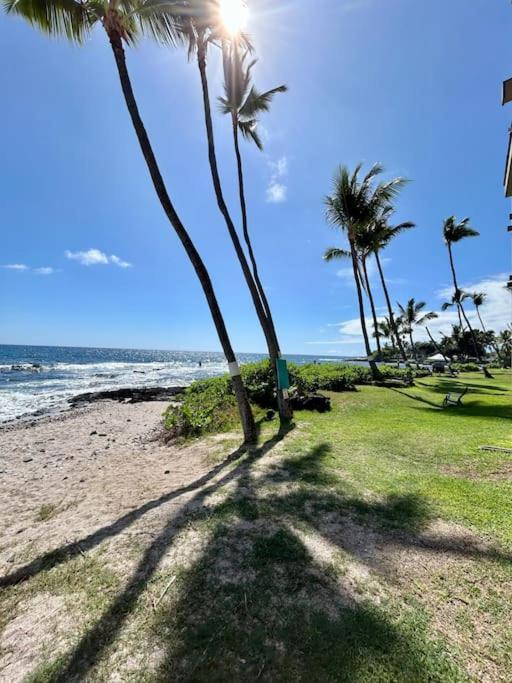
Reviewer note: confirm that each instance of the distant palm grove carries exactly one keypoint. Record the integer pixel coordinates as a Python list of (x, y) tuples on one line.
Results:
[(360, 204)]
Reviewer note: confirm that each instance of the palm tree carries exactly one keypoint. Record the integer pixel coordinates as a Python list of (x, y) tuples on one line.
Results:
[(505, 341), (478, 299), (454, 301), (201, 22), (243, 103), (353, 205), (410, 315), (362, 255), (124, 21), (454, 231), (383, 234), (386, 331), (335, 253), (364, 243)]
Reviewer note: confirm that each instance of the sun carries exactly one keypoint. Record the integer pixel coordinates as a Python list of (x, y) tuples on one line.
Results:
[(234, 15)]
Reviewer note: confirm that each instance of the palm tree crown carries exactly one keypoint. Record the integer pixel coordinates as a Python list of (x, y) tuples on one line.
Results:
[(355, 203), (454, 231), (75, 19), (241, 99), (410, 314)]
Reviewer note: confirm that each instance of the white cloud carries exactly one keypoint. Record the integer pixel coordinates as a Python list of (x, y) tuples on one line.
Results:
[(496, 311), (119, 262), (276, 189), (16, 266), (94, 257), (276, 193), (45, 270), (91, 257)]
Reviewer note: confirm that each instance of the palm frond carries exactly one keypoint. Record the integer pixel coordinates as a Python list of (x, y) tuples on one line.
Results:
[(162, 20), (69, 18), (249, 130), (454, 231), (335, 253), (256, 102)]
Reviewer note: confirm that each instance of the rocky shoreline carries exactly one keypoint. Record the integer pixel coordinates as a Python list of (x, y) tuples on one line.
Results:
[(128, 395)]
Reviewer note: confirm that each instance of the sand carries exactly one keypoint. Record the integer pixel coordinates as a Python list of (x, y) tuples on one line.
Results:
[(83, 470)]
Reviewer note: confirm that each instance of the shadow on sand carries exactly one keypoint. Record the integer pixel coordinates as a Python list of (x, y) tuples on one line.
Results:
[(258, 604)]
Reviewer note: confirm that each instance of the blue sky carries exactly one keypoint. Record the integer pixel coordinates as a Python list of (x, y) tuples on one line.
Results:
[(413, 85)]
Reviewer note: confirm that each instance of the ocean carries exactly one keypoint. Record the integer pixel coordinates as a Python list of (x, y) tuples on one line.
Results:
[(40, 379)]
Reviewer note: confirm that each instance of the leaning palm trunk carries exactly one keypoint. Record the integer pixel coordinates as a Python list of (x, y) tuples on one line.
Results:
[(373, 365), (390, 309), (463, 313), (282, 402), (285, 412), (245, 227), (413, 348), (244, 408), (436, 345), (372, 306)]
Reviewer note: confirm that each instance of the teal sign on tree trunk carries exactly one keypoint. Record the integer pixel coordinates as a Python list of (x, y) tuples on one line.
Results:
[(283, 378)]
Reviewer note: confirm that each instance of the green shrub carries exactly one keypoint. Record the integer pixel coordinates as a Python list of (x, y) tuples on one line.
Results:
[(466, 367), (207, 406), (259, 382)]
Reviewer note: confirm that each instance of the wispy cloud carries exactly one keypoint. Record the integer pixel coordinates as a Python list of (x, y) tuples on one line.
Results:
[(22, 267), (16, 266), (94, 257), (276, 190), (119, 262), (496, 313)]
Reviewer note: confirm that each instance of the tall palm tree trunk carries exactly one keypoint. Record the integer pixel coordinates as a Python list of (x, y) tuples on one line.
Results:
[(463, 313), (372, 306), (244, 408), (373, 365), (285, 412), (413, 348), (480, 318), (283, 403), (390, 309), (245, 227), (457, 290)]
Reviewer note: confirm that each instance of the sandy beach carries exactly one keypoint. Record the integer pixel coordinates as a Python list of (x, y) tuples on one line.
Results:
[(84, 469)]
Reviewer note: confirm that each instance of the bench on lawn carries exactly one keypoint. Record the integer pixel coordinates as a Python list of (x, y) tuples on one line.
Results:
[(454, 398)]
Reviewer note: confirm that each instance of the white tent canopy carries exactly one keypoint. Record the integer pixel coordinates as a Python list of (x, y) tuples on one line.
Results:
[(438, 357)]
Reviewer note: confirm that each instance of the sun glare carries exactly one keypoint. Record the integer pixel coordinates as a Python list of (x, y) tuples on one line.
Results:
[(235, 14)]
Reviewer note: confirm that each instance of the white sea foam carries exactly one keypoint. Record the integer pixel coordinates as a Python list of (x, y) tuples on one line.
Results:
[(24, 391)]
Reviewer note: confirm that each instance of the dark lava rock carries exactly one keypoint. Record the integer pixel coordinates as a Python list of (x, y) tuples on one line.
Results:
[(134, 395), (318, 402)]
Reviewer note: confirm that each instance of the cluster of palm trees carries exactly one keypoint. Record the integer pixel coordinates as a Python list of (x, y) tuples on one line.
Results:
[(362, 207), (200, 26)]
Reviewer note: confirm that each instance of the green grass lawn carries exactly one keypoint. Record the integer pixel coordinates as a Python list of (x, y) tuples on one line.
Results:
[(401, 441), (321, 556)]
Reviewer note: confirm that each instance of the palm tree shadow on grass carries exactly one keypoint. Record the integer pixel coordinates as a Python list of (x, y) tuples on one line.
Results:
[(93, 644), (257, 605)]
